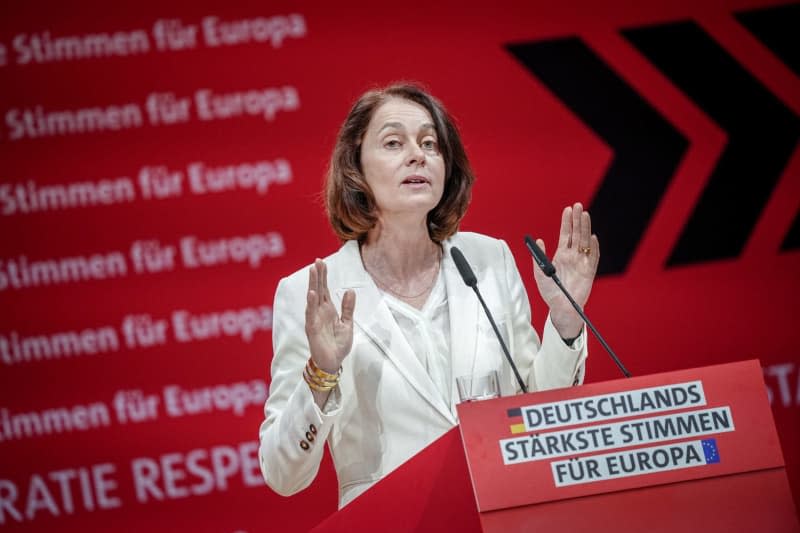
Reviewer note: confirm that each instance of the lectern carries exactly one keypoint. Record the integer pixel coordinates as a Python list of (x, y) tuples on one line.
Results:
[(691, 450)]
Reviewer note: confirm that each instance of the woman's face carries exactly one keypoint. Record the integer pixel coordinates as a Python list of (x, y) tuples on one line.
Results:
[(401, 161)]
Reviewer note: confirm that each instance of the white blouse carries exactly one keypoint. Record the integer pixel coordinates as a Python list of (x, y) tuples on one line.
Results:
[(427, 331)]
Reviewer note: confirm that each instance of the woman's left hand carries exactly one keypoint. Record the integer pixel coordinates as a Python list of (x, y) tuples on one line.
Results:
[(576, 261)]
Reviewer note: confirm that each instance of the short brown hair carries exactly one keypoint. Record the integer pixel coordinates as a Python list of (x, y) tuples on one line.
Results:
[(348, 199)]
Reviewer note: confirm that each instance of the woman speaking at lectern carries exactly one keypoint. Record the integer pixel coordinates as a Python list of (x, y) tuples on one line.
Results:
[(368, 342)]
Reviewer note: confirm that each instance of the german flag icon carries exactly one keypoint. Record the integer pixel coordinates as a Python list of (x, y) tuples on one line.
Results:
[(515, 417)]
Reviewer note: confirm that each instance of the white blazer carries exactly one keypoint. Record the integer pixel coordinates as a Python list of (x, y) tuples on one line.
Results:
[(386, 408)]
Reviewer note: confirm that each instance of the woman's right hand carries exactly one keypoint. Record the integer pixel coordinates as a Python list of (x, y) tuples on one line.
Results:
[(330, 336)]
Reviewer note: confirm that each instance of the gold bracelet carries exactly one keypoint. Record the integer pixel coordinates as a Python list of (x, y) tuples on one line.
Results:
[(311, 378), (318, 380), (316, 386), (321, 374)]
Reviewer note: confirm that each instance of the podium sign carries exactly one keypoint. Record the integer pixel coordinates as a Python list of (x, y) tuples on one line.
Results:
[(628, 435), (692, 450)]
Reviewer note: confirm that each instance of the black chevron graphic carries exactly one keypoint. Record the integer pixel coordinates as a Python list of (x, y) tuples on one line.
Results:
[(647, 149), (777, 28), (762, 134), (792, 240)]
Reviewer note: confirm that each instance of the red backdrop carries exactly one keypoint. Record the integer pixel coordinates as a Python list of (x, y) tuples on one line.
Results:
[(161, 166)]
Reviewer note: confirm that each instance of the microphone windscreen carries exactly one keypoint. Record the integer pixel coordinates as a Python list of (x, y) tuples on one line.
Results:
[(539, 256), (463, 267)]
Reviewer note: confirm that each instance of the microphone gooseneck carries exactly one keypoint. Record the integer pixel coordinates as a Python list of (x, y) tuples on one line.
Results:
[(471, 281), (550, 271)]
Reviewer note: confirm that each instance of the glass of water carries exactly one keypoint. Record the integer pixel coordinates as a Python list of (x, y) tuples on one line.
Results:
[(478, 386)]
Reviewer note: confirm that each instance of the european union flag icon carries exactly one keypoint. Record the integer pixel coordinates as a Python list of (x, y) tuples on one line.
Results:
[(710, 450)]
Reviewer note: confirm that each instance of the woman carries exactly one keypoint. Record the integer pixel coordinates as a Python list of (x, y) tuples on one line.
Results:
[(376, 381)]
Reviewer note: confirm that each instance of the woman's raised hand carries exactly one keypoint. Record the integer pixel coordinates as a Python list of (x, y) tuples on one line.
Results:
[(576, 259), (330, 336)]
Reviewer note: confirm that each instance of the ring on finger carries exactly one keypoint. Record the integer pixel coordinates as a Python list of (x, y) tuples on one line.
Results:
[(585, 250)]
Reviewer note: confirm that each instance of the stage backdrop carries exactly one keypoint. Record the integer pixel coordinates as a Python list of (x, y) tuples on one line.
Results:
[(160, 169)]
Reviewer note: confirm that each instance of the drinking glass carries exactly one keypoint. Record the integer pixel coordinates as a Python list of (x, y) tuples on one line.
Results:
[(475, 387)]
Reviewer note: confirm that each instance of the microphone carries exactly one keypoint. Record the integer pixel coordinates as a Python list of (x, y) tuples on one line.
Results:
[(540, 258), (550, 271), (471, 281), (464, 269)]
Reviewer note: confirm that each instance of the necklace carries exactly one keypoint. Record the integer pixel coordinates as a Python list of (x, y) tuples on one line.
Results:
[(388, 289)]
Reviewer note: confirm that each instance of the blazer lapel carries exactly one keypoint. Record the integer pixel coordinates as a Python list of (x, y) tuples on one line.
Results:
[(373, 316), (463, 306)]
